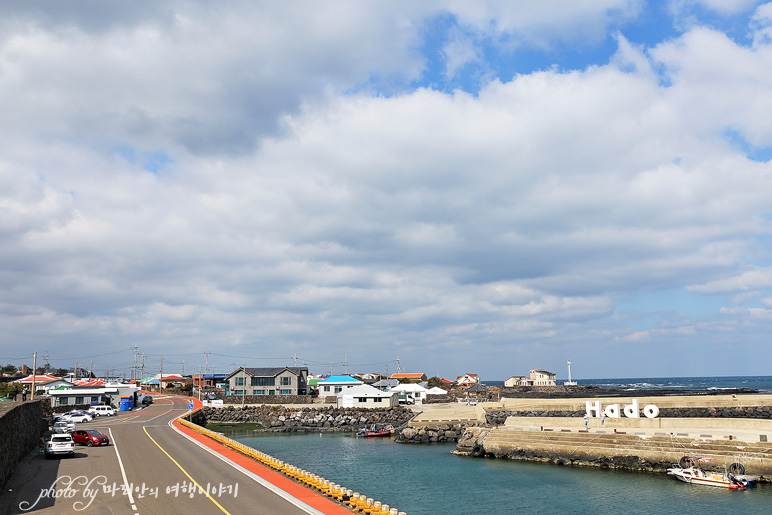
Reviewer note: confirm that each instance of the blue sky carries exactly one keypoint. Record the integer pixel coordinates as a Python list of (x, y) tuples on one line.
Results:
[(478, 187)]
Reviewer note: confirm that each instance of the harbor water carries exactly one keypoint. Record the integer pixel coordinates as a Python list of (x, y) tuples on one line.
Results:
[(428, 479)]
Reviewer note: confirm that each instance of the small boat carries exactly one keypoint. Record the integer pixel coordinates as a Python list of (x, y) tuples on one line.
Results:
[(373, 431), (689, 471)]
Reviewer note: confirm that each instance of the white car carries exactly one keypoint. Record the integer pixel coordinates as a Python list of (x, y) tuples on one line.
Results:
[(59, 444), (100, 411), (77, 416), (63, 426)]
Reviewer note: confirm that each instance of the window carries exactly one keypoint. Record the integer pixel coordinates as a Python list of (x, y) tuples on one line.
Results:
[(78, 400), (338, 389), (377, 399), (263, 381), (258, 392), (94, 399), (271, 392), (326, 388), (286, 392), (239, 381), (286, 381), (238, 392), (361, 399), (63, 401)]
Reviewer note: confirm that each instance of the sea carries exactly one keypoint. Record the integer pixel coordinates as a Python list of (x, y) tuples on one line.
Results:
[(427, 479), (709, 384)]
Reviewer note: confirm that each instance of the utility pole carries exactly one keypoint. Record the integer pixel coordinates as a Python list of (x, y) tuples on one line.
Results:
[(200, 381), (345, 362), (75, 377), (143, 366), (183, 368), (206, 360), (107, 375), (161, 379), (90, 368), (34, 372), (134, 370)]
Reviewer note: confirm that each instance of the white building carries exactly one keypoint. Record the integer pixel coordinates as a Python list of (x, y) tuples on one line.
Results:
[(333, 385), (365, 396)]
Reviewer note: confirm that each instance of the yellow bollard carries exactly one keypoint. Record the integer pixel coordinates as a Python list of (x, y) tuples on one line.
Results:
[(368, 509), (361, 503), (376, 508), (385, 509)]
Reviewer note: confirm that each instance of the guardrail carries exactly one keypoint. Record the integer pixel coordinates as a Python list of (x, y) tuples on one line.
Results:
[(354, 500)]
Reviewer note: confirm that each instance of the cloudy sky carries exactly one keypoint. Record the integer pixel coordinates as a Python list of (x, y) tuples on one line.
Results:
[(481, 187)]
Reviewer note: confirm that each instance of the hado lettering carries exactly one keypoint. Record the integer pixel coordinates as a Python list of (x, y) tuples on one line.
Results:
[(594, 409)]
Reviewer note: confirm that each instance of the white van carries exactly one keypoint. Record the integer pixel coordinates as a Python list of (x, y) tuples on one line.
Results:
[(102, 411)]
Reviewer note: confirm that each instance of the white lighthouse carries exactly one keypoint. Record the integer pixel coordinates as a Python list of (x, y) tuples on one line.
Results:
[(569, 382)]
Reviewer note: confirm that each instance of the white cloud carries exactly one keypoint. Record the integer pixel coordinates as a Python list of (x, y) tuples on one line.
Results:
[(512, 221)]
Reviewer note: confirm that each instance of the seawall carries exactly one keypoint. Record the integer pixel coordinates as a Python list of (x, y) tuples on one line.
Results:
[(297, 419)]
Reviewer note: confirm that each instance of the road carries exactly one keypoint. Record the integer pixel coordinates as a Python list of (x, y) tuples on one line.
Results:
[(153, 467)]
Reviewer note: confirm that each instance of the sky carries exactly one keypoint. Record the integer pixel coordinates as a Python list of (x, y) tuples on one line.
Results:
[(444, 186)]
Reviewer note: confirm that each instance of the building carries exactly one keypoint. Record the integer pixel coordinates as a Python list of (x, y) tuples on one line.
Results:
[(267, 381), (84, 396), (541, 377), (208, 380), (365, 396), (518, 381), (333, 385), (411, 393), (467, 380), (408, 377)]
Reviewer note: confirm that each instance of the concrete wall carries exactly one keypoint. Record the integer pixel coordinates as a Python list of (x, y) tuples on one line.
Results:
[(674, 401), (21, 426)]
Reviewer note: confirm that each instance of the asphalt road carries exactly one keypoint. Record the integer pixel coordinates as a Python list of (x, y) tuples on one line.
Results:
[(148, 468)]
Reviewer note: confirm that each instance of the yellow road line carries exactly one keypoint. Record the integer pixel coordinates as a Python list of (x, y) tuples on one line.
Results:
[(186, 473)]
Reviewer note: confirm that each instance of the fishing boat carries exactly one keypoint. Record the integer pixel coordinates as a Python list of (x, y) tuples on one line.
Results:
[(374, 430), (689, 471)]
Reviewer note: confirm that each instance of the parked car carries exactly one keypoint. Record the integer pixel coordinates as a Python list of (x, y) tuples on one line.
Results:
[(77, 416), (147, 400), (90, 437), (61, 444), (63, 426), (102, 411)]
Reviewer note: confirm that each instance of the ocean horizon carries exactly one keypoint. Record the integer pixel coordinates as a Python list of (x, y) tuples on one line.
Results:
[(761, 383)]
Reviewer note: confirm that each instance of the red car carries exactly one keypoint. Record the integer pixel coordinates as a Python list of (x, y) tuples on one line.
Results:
[(90, 437)]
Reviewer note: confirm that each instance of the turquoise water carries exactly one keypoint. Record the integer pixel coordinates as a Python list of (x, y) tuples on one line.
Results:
[(427, 479)]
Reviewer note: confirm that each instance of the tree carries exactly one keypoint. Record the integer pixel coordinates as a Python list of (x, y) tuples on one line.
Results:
[(437, 382), (9, 369)]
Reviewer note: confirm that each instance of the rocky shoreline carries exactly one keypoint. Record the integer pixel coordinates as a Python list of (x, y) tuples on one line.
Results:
[(284, 419)]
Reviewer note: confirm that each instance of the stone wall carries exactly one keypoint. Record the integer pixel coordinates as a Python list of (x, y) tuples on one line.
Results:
[(449, 432), (21, 426), (498, 417), (288, 419)]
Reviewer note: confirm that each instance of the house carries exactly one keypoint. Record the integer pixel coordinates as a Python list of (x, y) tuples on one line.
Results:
[(333, 385), (518, 381), (409, 378), (368, 378), (267, 381), (43, 382), (541, 377), (386, 384), (365, 396), (208, 380), (410, 393), (467, 380)]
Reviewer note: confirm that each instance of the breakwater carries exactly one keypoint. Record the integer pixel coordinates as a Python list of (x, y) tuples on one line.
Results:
[(623, 450), (432, 433), (499, 416), (288, 419)]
